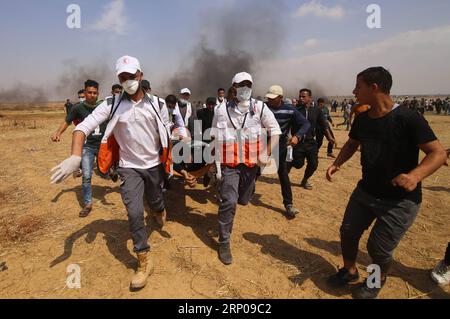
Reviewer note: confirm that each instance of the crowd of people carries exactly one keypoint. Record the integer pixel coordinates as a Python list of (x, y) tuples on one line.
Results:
[(244, 136), (440, 106)]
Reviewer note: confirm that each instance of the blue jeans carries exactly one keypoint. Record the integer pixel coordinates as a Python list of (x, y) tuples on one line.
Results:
[(87, 166)]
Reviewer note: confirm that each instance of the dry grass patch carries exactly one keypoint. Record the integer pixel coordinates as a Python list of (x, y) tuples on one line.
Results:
[(14, 229)]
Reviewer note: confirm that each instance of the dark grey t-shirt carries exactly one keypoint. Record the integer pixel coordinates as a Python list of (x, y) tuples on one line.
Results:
[(389, 147)]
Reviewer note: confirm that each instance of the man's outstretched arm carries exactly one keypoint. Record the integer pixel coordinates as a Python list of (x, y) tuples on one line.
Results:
[(71, 164), (56, 137)]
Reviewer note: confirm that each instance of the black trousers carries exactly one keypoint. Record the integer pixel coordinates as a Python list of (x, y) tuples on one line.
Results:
[(306, 150), (283, 175), (319, 138)]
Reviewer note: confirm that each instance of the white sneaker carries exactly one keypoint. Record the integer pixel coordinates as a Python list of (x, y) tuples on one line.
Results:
[(441, 274)]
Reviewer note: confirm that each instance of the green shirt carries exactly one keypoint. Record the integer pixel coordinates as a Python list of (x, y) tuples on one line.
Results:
[(81, 111), (68, 106)]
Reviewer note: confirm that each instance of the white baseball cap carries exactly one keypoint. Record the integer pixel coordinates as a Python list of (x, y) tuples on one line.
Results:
[(185, 91), (127, 64), (241, 77), (274, 92)]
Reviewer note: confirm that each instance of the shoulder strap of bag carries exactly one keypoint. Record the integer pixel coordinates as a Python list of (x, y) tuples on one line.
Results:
[(114, 110), (262, 109), (154, 108), (232, 123), (159, 118)]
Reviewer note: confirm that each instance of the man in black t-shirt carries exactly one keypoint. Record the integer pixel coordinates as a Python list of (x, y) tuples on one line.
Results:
[(206, 115), (390, 190), (92, 144)]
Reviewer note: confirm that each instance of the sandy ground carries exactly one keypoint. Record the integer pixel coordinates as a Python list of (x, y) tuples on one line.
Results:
[(41, 234)]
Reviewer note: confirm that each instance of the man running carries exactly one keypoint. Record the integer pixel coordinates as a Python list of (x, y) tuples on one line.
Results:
[(320, 134), (237, 129), (307, 148), (90, 148), (441, 273), (287, 117), (140, 134), (390, 190)]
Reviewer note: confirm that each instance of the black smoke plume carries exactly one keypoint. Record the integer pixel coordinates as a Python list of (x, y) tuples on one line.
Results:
[(73, 77), (236, 40), (23, 93)]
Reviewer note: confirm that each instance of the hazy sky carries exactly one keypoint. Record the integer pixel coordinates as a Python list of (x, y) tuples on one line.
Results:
[(321, 42)]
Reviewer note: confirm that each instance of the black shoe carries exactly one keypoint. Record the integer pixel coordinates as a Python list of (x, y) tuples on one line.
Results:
[(291, 212), (306, 185), (3, 266), (206, 180), (364, 292), (342, 278), (114, 176), (225, 254), (85, 211)]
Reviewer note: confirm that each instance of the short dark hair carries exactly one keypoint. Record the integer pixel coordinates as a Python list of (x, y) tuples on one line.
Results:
[(378, 75), (321, 100), (81, 91), (306, 90), (171, 99), (211, 100), (116, 86), (90, 84), (220, 89)]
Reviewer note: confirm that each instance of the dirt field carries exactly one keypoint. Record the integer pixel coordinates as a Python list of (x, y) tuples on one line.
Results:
[(41, 234)]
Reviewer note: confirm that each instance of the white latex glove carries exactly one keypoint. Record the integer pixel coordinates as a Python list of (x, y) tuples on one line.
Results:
[(263, 160), (269, 168), (65, 169)]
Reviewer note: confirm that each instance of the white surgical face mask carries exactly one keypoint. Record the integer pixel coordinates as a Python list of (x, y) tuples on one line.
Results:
[(82, 99), (131, 86), (243, 93), (183, 102), (220, 98)]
